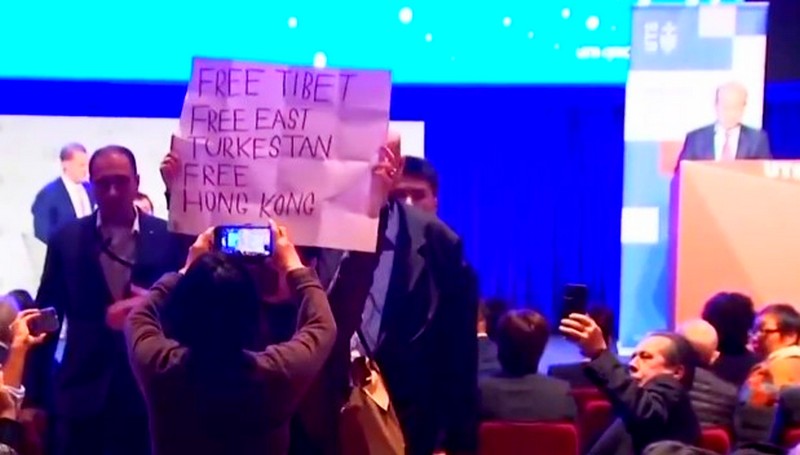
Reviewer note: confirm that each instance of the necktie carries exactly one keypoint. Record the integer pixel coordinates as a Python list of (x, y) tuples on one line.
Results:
[(728, 149)]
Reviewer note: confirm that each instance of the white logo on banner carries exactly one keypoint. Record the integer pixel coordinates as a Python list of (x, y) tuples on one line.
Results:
[(662, 37)]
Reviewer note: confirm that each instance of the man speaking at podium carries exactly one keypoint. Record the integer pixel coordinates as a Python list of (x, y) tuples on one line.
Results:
[(727, 139)]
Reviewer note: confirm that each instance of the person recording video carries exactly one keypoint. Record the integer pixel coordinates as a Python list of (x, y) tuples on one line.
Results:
[(191, 347), (16, 338)]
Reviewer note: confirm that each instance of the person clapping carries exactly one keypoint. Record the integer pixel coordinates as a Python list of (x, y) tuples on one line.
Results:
[(188, 343)]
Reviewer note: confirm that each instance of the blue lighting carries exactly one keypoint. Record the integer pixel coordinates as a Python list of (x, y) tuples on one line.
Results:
[(567, 41)]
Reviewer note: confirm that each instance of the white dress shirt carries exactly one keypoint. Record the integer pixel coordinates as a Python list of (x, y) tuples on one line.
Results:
[(719, 141), (79, 197)]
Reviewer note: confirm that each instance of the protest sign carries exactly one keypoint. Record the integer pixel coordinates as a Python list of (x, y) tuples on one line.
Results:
[(295, 144)]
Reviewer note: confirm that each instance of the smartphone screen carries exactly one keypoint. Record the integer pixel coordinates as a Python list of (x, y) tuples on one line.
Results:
[(46, 322), (576, 299), (243, 240)]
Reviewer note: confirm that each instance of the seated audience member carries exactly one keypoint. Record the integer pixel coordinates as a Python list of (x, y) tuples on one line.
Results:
[(713, 399), (575, 373), (649, 396), (205, 392), (519, 392), (787, 413), (15, 342), (487, 349), (732, 316), (775, 336)]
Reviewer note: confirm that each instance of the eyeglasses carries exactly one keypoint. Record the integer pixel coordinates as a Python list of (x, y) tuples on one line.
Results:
[(761, 331)]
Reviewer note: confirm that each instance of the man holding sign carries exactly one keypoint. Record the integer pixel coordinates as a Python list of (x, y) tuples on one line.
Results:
[(299, 145)]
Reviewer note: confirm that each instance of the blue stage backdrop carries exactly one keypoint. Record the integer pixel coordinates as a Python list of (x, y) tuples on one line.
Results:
[(531, 175)]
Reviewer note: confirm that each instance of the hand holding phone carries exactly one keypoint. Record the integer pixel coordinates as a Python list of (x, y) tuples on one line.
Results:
[(576, 300), (45, 322)]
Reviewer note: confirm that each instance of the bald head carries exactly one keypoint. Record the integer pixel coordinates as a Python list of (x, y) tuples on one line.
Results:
[(731, 100), (703, 338)]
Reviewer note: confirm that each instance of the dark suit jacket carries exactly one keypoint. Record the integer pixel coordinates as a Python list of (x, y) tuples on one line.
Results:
[(95, 362), (239, 404), (699, 145), (657, 411), (427, 348), (531, 398), (735, 368), (573, 373), (52, 209), (488, 364), (713, 399)]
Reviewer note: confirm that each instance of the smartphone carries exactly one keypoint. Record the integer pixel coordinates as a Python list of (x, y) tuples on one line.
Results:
[(252, 241), (45, 322), (576, 299)]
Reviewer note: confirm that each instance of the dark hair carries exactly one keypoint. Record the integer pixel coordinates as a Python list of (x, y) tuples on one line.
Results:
[(68, 151), (521, 338), (680, 353), (23, 298), (604, 318), (110, 149), (215, 307), (787, 316), (422, 169), (732, 316), (494, 309)]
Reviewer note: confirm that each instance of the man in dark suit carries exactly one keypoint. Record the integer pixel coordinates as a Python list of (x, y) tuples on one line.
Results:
[(94, 266), (65, 198), (713, 399), (649, 396), (727, 139), (519, 392)]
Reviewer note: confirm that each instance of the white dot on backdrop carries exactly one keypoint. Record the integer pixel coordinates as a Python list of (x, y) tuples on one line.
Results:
[(406, 15), (556, 46), (715, 2), (320, 60), (644, 2), (507, 21), (292, 22), (592, 22), (613, 28), (565, 13), (692, 2), (530, 35), (428, 37)]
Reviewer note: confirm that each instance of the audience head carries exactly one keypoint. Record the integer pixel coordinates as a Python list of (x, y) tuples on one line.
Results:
[(731, 100), (732, 315), (419, 185), (115, 183), (777, 326), (521, 339), (604, 318), (74, 162), (703, 338), (8, 313), (663, 353), (23, 298), (144, 204), (495, 309), (214, 308)]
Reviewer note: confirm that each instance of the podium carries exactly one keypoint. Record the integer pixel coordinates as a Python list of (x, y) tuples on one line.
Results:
[(735, 227)]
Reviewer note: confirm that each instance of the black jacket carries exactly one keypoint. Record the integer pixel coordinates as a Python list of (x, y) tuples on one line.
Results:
[(713, 399), (657, 411)]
